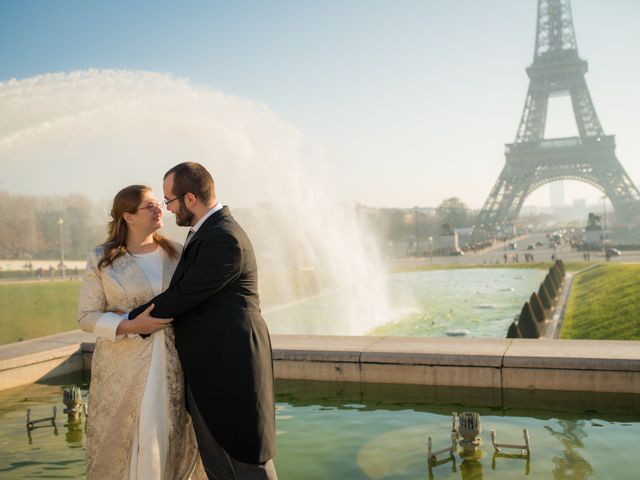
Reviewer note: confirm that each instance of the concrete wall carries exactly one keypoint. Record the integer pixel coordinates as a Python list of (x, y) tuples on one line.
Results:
[(572, 365), (541, 364)]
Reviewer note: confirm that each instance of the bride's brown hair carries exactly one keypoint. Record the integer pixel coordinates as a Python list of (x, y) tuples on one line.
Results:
[(127, 201)]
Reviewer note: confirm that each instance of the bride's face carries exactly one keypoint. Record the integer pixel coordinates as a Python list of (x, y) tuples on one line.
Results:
[(148, 217)]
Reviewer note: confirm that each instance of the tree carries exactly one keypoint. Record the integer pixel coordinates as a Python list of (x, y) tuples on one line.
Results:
[(454, 212), (29, 226)]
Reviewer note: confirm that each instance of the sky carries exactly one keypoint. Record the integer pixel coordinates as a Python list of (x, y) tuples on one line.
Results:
[(410, 102)]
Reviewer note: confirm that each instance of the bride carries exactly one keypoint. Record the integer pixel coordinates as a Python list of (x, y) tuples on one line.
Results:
[(138, 426)]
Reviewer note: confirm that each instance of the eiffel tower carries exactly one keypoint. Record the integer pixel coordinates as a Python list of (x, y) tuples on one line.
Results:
[(532, 160)]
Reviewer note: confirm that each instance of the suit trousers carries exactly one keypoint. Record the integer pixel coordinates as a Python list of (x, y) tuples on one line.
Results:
[(218, 464)]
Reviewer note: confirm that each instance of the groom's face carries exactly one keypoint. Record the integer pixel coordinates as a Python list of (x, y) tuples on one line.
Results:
[(184, 217)]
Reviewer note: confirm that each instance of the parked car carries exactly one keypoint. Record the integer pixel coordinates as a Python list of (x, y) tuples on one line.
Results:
[(539, 243), (613, 252), (531, 246)]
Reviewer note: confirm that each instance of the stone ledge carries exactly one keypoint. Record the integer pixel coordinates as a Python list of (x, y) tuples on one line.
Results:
[(45, 357), (605, 355), (318, 371), (44, 369), (441, 375), (571, 380), (52, 352), (43, 344), (570, 365), (320, 348), (436, 351)]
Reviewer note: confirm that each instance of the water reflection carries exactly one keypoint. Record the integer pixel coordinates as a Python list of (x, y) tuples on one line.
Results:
[(368, 431), (75, 426), (471, 470), (512, 456), (572, 464), (75, 432)]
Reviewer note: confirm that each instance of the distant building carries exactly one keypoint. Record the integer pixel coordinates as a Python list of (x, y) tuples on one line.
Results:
[(447, 241), (464, 235), (556, 194)]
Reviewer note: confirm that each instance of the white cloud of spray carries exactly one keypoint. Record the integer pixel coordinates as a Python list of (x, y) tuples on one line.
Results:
[(94, 132)]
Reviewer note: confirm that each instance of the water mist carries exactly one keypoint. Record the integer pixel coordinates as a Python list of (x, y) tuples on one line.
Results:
[(94, 132)]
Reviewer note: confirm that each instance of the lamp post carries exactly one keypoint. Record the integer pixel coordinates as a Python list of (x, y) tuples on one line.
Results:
[(417, 236), (431, 249), (604, 214), (61, 223)]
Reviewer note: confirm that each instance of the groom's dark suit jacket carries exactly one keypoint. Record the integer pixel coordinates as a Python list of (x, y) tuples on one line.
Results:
[(222, 340)]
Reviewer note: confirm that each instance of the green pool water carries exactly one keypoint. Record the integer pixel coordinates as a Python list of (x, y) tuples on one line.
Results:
[(331, 430), (481, 301)]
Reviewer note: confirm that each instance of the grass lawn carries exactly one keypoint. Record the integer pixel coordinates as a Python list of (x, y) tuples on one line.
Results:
[(30, 310), (604, 304)]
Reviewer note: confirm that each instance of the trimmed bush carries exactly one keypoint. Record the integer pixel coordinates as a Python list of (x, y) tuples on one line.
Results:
[(545, 297), (527, 324), (552, 288), (536, 306), (557, 275), (514, 331)]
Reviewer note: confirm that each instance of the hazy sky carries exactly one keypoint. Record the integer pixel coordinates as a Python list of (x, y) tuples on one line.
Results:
[(410, 101)]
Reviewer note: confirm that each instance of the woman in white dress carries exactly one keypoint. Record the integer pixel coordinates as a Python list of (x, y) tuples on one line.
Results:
[(138, 427)]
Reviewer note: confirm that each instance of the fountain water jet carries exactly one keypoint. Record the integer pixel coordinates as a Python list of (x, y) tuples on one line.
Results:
[(93, 132)]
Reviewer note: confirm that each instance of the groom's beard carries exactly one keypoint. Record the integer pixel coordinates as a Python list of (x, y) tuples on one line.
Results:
[(184, 217)]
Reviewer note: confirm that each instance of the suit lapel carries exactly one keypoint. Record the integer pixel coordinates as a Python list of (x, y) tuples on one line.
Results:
[(208, 223)]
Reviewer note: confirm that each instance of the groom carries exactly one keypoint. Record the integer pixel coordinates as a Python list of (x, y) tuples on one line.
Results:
[(222, 340)]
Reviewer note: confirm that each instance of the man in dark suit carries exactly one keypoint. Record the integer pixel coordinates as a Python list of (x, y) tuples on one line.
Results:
[(222, 340)]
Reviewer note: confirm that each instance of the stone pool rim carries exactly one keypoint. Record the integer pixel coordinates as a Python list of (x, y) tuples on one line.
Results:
[(611, 366)]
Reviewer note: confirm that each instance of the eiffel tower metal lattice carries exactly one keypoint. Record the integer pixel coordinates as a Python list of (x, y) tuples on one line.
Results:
[(532, 160)]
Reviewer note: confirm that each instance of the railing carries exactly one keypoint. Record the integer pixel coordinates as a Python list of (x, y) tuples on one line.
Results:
[(564, 142)]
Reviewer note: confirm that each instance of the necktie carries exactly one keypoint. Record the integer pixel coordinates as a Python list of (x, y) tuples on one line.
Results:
[(189, 236)]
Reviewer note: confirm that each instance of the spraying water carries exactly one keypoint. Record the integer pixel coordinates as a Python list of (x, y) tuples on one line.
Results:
[(94, 132)]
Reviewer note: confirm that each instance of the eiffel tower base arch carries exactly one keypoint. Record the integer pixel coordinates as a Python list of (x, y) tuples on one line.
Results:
[(529, 166)]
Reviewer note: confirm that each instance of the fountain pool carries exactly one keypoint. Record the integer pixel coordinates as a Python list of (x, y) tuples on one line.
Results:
[(482, 301), (369, 431)]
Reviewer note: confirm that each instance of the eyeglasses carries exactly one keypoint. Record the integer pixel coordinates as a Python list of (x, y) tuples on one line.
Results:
[(167, 202), (151, 206)]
